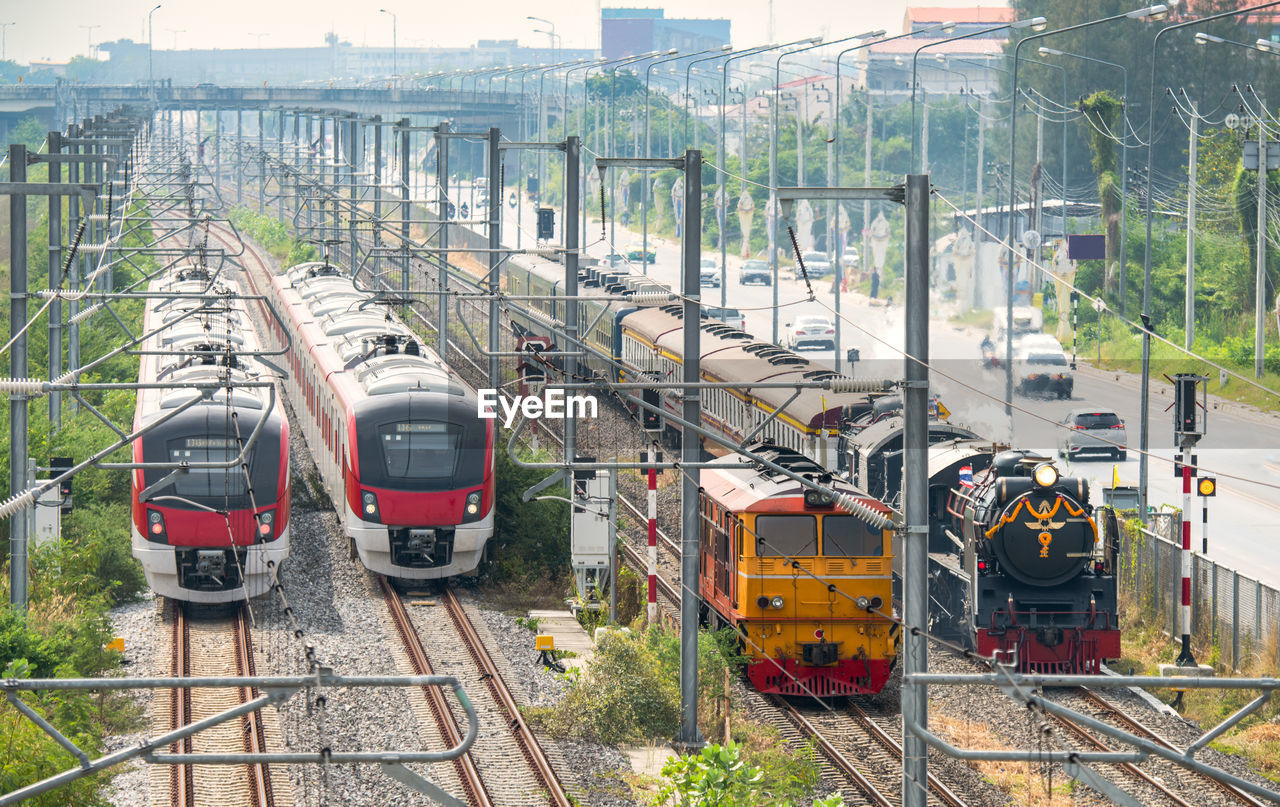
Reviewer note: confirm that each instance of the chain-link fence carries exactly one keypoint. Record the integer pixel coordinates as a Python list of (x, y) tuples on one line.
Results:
[(1235, 619)]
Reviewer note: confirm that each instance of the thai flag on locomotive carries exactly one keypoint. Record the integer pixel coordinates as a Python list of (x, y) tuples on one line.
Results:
[(966, 476)]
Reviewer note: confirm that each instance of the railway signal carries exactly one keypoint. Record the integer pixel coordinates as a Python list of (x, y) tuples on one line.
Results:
[(1189, 416), (1205, 488)]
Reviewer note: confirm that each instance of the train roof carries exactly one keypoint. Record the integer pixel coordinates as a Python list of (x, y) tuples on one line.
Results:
[(596, 280), (383, 354), (741, 484), (875, 436), (731, 355), (208, 345)]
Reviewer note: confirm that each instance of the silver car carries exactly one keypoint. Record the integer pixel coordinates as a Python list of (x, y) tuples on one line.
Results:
[(1092, 431), (811, 331)]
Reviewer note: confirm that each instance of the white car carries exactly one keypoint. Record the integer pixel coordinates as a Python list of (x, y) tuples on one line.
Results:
[(729, 316), (709, 275), (811, 331)]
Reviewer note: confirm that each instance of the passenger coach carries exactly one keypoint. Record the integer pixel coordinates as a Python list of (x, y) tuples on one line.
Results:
[(206, 528), (404, 457)]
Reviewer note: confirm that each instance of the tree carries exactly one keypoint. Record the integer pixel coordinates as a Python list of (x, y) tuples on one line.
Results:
[(1246, 197), (1102, 115)]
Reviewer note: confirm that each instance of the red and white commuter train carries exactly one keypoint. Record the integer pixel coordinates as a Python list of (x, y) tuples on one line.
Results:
[(203, 533), (405, 459)]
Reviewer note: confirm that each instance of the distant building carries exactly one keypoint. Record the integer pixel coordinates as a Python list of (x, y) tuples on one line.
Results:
[(633, 31), (946, 67)]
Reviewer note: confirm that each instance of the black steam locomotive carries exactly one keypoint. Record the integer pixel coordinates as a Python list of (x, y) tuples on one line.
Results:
[(1016, 565)]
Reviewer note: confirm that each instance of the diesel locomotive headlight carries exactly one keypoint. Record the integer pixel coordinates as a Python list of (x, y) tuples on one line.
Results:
[(862, 603), (775, 603), (473, 503), (1046, 475), (369, 503)]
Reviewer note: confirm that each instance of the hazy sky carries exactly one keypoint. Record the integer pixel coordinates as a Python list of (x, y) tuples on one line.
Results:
[(55, 29)]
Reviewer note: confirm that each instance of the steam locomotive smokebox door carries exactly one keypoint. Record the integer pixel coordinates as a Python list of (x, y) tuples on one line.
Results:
[(546, 223)]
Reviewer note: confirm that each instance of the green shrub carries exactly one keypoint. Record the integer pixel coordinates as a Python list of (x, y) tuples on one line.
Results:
[(530, 539)]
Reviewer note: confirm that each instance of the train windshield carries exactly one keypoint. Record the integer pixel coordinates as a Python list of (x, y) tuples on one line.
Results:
[(419, 449), (789, 536), (847, 535), (420, 443), (204, 483)]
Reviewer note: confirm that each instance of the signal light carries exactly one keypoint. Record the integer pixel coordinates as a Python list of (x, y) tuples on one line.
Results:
[(1207, 486), (982, 565)]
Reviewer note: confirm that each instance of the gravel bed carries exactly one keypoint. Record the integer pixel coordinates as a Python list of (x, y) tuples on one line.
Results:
[(135, 623)]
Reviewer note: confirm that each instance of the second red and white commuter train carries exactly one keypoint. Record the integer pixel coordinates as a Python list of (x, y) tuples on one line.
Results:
[(403, 455)]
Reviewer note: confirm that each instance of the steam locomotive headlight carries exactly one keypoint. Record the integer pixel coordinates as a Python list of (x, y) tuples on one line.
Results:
[(369, 503), (1046, 475), (776, 603)]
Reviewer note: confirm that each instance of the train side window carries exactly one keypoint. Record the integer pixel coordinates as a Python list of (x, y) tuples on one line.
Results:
[(790, 536), (850, 536)]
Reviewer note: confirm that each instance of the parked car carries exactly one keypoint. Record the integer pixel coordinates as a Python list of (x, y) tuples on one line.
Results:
[(637, 252), (710, 273), (729, 316), (811, 331), (816, 265), (1092, 431), (849, 259), (755, 271)]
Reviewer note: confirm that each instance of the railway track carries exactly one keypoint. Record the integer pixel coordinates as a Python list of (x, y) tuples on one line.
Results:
[(218, 647), (1188, 787), (488, 773)]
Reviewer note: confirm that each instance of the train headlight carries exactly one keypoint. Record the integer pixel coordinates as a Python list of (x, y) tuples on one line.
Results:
[(775, 603), (155, 527), (1046, 475), (266, 521), (862, 603), (473, 503), (369, 504), (819, 498)]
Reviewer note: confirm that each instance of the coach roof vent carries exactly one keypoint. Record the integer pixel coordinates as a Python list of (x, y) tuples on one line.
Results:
[(820, 375), (786, 358)]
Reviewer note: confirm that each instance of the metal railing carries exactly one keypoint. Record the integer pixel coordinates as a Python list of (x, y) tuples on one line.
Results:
[(1235, 619)]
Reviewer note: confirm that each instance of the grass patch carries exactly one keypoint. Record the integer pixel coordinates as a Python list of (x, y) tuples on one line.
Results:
[(1024, 783), (982, 318)]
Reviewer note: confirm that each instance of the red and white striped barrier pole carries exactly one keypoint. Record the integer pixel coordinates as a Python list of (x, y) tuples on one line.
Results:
[(652, 610), (1185, 658)]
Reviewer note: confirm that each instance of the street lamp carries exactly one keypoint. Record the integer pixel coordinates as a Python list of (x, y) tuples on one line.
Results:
[(1034, 23), (1124, 172), (551, 35), (4, 29), (395, 68), (174, 31), (151, 78), (1156, 12)]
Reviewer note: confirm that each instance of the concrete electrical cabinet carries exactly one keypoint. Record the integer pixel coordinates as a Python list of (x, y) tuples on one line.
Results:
[(589, 524)]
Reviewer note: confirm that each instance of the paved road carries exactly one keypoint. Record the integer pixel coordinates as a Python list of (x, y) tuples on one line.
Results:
[(1240, 440)]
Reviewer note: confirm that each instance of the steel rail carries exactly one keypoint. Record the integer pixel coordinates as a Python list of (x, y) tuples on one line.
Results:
[(894, 747), (1136, 727), (472, 784), (255, 735), (839, 760), (181, 782), (502, 694)]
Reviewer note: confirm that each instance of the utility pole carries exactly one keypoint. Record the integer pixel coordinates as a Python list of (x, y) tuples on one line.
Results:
[(915, 409), (1260, 287), (18, 369), (864, 260), (442, 237), (495, 264), (975, 289), (55, 281), (690, 450), (569, 221), (1190, 308)]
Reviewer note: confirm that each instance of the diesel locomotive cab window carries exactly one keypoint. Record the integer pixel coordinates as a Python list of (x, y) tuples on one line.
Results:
[(419, 450), (846, 535), (792, 536)]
